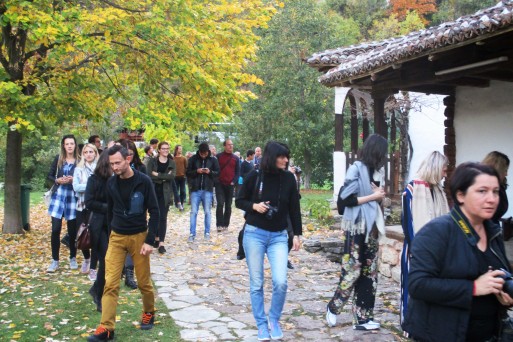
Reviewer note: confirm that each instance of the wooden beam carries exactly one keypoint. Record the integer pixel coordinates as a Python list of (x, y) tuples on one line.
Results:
[(354, 124)]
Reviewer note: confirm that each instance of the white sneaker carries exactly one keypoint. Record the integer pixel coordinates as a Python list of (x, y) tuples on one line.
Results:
[(85, 266), (369, 325), (331, 318), (92, 275), (73, 264), (53, 266)]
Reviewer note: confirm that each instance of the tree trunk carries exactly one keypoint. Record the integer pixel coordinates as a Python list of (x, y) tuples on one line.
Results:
[(307, 170), (12, 192)]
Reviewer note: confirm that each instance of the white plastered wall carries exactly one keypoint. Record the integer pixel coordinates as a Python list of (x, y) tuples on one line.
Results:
[(483, 122)]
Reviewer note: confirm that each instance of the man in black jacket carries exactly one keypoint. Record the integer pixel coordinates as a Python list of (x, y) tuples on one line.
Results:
[(202, 171), (130, 195)]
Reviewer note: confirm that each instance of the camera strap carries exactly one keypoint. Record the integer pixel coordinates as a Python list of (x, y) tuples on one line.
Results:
[(461, 221), (261, 187)]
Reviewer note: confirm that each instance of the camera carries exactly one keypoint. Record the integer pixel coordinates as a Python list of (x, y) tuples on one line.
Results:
[(298, 170), (271, 211), (508, 282)]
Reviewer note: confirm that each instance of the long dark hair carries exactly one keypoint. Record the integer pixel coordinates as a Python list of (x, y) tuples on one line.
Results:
[(62, 152), (103, 169), (272, 151), (374, 151)]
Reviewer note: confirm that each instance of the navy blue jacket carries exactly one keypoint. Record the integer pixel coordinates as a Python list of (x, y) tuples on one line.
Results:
[(442, 272)]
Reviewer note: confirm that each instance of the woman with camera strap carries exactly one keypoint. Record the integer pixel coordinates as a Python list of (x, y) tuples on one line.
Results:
[(458, 265), (269, 196)]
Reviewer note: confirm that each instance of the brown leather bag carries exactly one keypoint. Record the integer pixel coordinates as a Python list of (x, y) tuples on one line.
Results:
[(83, 240)]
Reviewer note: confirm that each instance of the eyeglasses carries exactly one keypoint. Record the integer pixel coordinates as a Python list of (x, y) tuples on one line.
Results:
[(165, 149)]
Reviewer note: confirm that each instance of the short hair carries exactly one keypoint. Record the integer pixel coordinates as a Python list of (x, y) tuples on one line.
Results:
[(465, 175), (154, 141), (272, 151), (431, 168), (92, 139), (162, 143), (374, 151), (118, 148), (499, 161), (147, 149), (250, 153), (203, 147)]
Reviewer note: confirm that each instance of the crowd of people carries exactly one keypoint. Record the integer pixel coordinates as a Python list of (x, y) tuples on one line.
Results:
[(453, 264)]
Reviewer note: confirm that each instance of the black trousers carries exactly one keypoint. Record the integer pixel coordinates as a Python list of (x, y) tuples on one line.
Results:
[(164, 210), (224, 196), (56, 237)]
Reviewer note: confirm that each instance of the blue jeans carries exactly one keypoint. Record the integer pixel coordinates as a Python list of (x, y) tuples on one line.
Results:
[(206, 198), (258, 242)]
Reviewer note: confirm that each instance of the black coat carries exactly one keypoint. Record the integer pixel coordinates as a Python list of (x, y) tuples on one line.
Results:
[(202, 181), (443, 268)]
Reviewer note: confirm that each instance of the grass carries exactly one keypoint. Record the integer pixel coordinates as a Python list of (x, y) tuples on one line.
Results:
[(58, 306), (37, 306), (316, 204)]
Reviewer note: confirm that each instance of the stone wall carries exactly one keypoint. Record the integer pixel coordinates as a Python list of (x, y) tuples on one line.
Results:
[(390, 248)]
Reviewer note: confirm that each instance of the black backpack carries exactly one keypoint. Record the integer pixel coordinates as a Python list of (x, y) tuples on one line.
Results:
[(340, 202)]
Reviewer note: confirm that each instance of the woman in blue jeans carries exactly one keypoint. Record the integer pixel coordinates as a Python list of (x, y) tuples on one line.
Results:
[(269, 196)]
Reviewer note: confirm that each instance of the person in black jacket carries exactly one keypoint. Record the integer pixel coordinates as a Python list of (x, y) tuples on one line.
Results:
[(500, 162), (202, 172), (96, 203), (455, 282), (130, 196), (269, 197)]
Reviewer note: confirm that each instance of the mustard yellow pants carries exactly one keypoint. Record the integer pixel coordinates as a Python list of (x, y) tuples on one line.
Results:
[(119, 246)]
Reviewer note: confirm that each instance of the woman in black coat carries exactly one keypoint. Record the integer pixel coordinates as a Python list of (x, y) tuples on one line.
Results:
[(96, 202), (455, 282)]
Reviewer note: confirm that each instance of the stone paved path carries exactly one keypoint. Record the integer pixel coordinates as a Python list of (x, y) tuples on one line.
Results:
[(206, 290)]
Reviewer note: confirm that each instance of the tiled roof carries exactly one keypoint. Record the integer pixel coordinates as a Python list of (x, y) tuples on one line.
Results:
[(358, 60)]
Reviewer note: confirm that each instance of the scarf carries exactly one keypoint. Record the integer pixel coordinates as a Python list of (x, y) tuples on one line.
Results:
[(427, 203)]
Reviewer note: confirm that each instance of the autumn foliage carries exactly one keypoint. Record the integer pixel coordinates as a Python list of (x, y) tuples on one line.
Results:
[(422, 7)]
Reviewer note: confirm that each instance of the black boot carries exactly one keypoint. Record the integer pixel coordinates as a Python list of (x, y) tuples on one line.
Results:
[(129, 277)]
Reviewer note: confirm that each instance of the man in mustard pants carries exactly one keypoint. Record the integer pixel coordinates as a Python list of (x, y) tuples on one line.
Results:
[(130, 195)]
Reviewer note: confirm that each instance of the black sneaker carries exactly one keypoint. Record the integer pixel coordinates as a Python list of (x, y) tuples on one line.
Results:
[(162, 250), (147, 320), (289, 265), (101, 334)]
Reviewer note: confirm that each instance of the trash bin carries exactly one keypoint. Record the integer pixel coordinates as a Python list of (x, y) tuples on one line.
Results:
[(25, 205)]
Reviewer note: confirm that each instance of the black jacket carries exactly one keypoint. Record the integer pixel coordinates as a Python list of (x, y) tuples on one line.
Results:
[(201, 181), (167, 178), (281, 191), (443, 268), (130, 221), (95, 199)]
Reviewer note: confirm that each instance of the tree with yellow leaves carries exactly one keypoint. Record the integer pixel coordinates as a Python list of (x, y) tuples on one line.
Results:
[(176, 63)]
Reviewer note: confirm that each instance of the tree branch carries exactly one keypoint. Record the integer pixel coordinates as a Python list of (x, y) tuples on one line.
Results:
[(110, 3)]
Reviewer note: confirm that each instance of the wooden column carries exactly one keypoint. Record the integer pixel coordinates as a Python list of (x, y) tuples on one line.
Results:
[(354, 124), (450, 141), (380, 125), (365, 120)]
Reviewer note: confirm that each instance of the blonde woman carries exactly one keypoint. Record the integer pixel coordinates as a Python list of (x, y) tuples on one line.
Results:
[(84, 169), (500, 162), (63, 202), (423, 200)]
